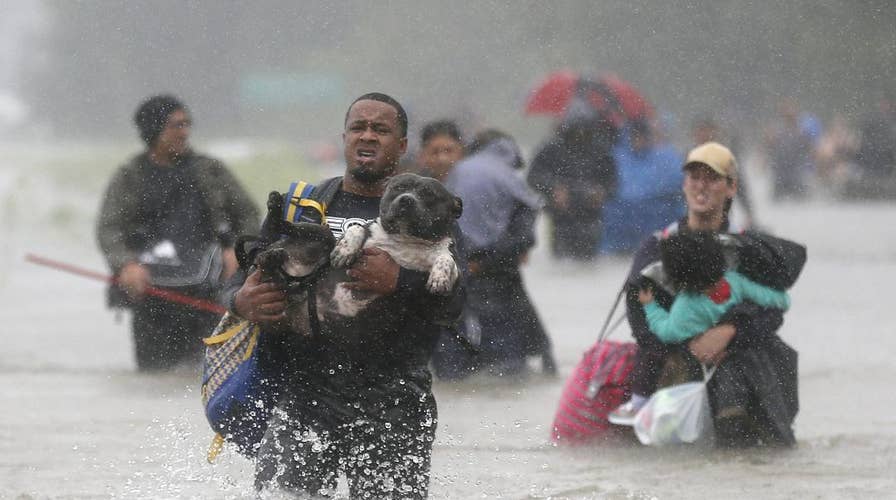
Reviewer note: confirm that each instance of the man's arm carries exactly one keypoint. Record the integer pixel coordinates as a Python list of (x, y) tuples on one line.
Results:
[(377, 272), (115, 222), (241, 211)]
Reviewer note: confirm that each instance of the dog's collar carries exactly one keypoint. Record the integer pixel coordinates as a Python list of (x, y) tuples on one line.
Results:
[(299, 284)]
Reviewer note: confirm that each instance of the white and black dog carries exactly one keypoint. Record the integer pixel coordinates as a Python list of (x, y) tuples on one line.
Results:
[(414, 227)]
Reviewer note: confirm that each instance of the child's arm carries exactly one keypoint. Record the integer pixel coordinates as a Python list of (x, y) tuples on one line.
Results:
[(678, 324), (760, 294)]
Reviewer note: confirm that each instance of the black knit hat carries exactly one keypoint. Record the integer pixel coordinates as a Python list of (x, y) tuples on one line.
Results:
[(693, 260), (152, 115)]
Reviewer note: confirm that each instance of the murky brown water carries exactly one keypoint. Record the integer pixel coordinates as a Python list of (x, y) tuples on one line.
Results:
[(77, 422)]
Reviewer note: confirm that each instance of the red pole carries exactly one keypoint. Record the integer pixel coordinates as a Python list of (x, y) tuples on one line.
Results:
[(201, 304)]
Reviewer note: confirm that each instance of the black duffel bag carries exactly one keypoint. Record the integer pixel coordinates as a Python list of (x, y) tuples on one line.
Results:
[(769, 260), (195, 274)]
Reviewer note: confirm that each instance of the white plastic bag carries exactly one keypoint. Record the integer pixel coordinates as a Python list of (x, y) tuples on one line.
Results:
[(675, 415)]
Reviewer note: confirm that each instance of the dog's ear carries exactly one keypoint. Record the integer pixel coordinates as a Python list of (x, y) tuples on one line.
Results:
[(275, 202), (273, 222), (458, 208)]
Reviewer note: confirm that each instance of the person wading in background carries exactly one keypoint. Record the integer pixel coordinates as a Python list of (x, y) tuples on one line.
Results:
[(169, 217)]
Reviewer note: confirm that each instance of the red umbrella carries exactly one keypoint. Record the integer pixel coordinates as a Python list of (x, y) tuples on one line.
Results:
[(612, 97), (552, 95)]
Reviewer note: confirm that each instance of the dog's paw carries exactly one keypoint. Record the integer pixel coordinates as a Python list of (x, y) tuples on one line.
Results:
[(347, 303), (343, 255), (348, 249), (442, 275)]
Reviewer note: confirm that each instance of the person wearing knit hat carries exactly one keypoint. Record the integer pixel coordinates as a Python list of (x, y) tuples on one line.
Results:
[(152, 116), (169, 219)]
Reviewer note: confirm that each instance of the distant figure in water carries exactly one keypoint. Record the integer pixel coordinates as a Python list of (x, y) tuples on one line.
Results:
[(169, 218), (790, 153), (441, 147), (576, 174), (498, 231)]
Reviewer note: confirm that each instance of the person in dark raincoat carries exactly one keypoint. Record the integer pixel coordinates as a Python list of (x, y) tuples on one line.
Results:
[(753, 394), (790, 153), (575, 173), (357, 401), (170, 210), (498, 230)]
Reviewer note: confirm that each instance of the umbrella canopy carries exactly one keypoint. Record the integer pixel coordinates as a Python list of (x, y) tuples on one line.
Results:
[(552, 95), (613, 98)]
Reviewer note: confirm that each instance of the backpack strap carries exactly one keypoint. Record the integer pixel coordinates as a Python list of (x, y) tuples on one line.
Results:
[(302, 194), (326, 190), (297, 198)]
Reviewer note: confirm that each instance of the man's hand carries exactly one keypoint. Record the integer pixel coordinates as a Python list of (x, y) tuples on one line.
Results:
[(709, 347), (260, 302), (135, 279), (375, 272), (228, 256)]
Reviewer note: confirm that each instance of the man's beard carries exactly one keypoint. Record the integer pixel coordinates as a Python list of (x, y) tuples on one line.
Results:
[(370, 175)]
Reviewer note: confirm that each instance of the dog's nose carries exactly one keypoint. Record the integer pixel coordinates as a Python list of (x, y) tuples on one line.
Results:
[(405, 201)]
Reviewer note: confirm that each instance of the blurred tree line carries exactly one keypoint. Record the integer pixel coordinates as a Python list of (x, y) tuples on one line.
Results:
[(279, 68)]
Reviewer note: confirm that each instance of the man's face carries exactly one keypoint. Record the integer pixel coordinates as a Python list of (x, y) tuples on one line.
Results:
[(706, 191), (440, 153), (372, 141), (174, 139)]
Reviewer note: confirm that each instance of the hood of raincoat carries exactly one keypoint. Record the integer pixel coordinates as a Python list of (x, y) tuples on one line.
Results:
[(491, 188)]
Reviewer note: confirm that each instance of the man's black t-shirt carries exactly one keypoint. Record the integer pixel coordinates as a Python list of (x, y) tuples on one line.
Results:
[(376, 363), (347, 210)]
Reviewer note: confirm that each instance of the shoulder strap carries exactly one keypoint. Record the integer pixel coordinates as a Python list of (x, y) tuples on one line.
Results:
[(302, 194), (297, 198), (326, 190)]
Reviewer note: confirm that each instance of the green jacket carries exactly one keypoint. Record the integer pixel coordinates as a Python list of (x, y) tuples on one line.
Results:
[(232, 211)]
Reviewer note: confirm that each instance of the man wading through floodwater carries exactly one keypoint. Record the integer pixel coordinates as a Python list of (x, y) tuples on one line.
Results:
[(356, 405)]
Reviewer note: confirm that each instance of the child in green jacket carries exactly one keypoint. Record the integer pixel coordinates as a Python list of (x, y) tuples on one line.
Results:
[(695, 264)]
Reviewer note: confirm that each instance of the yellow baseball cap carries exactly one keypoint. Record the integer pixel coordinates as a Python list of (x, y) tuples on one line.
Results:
[(714, 156)]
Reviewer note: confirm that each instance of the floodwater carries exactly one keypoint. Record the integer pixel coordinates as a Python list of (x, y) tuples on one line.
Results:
[(78, 422)]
